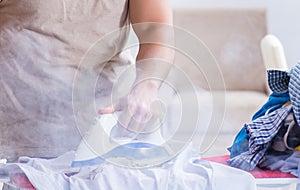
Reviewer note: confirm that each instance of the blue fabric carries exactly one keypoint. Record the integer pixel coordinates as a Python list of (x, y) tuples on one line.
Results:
[(286, 87), (241, 141), (240, 144), (278, 150), (263, 129), (283, 81), (278, 81), (261, 132), (274, 102), (294, 89)]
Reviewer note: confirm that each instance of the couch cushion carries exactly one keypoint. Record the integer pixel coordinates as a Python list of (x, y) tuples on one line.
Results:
[(233, 36)]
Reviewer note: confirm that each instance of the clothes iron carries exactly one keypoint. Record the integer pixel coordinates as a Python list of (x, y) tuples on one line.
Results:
[(110, 142)]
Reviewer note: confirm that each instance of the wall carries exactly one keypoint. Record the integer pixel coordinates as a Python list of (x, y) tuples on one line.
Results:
[(283, 20)]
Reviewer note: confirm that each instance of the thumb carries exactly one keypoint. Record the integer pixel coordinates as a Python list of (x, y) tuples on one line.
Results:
[(117, 106), (107, 110)]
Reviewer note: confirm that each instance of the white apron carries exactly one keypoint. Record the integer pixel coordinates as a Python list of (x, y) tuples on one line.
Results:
[(41, 46)]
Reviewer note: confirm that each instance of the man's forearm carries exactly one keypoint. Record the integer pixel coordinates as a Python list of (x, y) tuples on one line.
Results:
[(152, 23)]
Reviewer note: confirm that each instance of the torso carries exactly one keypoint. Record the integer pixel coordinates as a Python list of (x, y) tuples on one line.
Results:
[(41, 46)]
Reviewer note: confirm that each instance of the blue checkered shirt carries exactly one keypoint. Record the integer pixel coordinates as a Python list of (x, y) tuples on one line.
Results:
[(287, 81), (261, 132)]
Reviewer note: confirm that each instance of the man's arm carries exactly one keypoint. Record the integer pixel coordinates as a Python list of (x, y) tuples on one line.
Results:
[(152, 22)]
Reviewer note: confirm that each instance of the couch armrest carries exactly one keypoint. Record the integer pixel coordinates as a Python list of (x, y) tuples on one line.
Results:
[(273, 53)]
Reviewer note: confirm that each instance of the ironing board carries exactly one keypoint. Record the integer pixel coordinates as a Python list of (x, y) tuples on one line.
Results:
[(263, 178)]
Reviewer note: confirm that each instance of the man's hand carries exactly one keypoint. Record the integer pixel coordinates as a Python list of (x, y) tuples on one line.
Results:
[(139, 111)]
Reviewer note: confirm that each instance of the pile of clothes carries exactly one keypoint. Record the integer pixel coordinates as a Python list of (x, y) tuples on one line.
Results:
[(272, 139)]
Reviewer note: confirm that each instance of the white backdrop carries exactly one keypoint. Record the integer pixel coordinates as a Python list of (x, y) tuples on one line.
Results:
[(283, 20)]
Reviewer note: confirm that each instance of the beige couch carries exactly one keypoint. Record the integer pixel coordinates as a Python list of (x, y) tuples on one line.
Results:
[(233, 37)]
